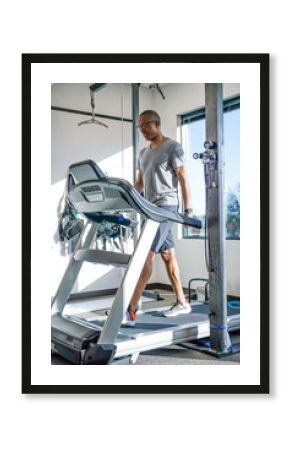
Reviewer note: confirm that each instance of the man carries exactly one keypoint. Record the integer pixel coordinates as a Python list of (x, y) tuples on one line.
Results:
[(160, 168)]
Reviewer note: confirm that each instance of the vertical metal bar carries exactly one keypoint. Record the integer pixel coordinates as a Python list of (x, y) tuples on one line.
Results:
[(73, 270), (136, 140), (216, 220), (126, 289), (135, 115)]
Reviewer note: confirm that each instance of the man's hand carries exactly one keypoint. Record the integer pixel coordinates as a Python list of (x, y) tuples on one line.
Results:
[(188, 213), (181, 174)]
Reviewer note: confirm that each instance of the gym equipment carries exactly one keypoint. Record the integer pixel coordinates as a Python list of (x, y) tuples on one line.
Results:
[(206, 289), (93, 119), (69, 229), (84, 341)]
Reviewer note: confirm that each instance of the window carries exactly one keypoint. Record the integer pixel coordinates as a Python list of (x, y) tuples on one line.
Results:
[(193, 137)]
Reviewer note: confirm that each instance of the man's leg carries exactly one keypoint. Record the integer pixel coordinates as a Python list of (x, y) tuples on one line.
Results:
[(144, 277), (172, 268)]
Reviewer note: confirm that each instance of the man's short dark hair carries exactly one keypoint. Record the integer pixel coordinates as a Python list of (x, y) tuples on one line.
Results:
[(155, 116)]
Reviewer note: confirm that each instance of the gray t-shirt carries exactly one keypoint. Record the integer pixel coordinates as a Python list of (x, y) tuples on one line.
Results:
[(157, 166)]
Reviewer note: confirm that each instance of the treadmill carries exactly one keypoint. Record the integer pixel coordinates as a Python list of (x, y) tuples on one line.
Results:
[(86, 341)]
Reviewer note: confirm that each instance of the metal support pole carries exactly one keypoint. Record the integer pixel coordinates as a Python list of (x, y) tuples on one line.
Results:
[(136, 139), (216, 219), (135, 115)]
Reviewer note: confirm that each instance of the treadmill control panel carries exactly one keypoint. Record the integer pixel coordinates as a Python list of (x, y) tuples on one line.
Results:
[(93, 193)]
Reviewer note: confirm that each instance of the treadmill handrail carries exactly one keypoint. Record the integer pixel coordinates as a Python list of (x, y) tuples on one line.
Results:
[(136, 201)]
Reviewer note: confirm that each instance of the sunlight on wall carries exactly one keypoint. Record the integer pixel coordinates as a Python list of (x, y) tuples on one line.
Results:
[(119, 164), (94, 277)]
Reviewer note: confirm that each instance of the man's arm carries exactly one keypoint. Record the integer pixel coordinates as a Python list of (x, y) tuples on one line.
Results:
[(182, 178), (138, 185)]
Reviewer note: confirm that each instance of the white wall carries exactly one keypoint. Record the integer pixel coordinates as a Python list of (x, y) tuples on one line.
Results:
[(181, 98), (71, 143)]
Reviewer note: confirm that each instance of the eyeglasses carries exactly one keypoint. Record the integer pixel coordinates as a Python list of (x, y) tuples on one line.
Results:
[(145, 124)]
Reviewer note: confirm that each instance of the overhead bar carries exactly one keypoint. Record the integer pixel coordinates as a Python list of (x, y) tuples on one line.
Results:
[(87, 113)]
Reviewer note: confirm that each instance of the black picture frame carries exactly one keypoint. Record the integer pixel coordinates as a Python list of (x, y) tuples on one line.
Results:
[(263, 61)]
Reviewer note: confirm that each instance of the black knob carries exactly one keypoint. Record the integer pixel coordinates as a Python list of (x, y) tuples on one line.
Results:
[(197, 155)]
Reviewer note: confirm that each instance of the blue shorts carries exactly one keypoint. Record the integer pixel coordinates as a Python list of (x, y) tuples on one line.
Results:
[(164, 237)]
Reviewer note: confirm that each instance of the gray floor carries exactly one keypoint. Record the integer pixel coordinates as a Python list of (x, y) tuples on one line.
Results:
[(172, 355)]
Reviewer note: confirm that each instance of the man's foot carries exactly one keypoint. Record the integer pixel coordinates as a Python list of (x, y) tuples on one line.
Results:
[(177, 309), (130, 317)]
